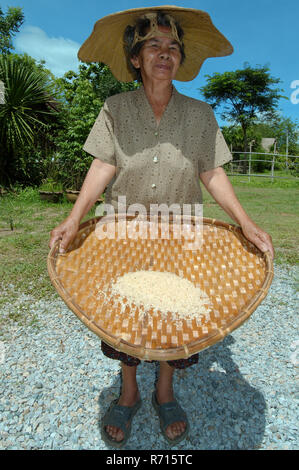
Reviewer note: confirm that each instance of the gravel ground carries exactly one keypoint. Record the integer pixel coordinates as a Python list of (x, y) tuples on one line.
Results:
[(56, 385)]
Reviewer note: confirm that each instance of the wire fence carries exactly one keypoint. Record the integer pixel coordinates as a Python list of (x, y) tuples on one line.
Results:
[(251, 166)]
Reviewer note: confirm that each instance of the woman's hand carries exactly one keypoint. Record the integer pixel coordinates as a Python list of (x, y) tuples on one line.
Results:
[(219, 186), (98, 177), (65, 232), (257, 236)]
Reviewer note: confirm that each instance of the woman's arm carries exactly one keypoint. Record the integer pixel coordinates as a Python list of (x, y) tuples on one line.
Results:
[(98, 177), (218, 185)]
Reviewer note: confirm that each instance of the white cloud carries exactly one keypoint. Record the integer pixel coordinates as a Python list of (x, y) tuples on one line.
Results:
[(60, 54)]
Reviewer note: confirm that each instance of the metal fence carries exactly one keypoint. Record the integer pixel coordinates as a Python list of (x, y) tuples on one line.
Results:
[(275, 161)]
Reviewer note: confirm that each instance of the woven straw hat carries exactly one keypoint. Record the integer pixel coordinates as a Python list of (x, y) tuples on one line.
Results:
[(201, 39)]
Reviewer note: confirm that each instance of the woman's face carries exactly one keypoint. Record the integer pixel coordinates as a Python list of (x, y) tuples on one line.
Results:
[(159, 58)]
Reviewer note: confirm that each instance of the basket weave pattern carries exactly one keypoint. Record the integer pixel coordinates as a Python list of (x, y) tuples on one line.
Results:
[(233, 273)]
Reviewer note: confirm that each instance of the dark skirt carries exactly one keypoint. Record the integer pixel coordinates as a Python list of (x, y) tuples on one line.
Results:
[(133, 361)]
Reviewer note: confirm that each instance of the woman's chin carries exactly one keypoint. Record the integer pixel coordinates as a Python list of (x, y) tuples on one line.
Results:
[(161, 75)]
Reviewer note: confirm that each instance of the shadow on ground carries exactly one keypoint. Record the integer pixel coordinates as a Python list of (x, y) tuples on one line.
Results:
[(224, 410)]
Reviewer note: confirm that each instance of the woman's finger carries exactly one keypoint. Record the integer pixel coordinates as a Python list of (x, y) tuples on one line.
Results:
[(266, 243), (67, 238), (65, 241), (54, 238), (261, 239)]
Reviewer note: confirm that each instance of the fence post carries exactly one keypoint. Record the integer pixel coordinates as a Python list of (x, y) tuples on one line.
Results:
[(231, 163), (273, 163), (250, 152), (272, 168)]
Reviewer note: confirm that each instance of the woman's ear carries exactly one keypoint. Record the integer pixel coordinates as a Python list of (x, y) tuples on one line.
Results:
[(135, 61)]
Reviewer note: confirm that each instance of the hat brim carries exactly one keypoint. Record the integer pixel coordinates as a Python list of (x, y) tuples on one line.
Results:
[(201, 39)]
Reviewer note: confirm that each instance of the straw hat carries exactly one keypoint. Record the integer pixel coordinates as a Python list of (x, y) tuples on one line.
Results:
[(201, 39)]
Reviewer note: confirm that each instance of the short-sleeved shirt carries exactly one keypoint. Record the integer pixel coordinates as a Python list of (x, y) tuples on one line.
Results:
[(156, 164)]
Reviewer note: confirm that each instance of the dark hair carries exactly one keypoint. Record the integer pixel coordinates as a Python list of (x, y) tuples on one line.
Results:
[(142, 24)]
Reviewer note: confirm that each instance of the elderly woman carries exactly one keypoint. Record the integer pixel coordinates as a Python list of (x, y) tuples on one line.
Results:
[(153, 145)]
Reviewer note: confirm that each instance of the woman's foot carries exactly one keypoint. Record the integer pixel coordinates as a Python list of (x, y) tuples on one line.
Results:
[(164, 394), (126, 399), (177, 428)]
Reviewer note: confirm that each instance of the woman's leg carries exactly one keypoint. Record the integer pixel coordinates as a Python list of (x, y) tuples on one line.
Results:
[(164, 394), (129, 396)]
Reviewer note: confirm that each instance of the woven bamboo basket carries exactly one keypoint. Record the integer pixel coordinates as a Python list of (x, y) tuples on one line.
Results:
[(234, 274)]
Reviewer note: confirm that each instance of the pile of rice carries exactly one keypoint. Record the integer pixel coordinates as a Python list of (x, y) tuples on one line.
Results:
[(162, 291)]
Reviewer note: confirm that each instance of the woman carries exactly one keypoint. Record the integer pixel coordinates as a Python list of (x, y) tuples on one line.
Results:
[(153, 145)]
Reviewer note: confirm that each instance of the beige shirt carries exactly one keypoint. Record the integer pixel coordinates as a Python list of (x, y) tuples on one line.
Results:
[(156, 164)]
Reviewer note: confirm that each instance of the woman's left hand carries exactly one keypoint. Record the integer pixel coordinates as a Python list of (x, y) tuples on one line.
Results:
[(258, 237)]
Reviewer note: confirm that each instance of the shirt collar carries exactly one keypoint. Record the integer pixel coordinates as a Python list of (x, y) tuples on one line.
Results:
[(145, 108)]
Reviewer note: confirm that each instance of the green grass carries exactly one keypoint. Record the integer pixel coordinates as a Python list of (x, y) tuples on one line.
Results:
[(23, 251), (274, 209), (285, 180)]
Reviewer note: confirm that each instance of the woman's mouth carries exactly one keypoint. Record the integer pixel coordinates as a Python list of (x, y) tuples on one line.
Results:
[(163, 66)]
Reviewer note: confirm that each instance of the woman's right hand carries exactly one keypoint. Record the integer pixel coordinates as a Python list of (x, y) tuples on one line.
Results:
[(65, 232)]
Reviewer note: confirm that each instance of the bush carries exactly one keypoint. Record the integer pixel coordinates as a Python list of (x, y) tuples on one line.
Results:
[(26, 118), (50, 185)]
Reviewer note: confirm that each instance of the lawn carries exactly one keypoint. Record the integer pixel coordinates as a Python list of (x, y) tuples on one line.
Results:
[(23, 250), (276, 210)]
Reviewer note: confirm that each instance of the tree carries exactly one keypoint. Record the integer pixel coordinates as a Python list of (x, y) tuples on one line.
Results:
[(28, 111), (286, 133), (283, 129), (82, 94), (9, 25), (103, 83), (246, 95)]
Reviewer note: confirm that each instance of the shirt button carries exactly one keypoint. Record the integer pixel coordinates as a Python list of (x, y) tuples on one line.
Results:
[(155, 159), (153, 185)]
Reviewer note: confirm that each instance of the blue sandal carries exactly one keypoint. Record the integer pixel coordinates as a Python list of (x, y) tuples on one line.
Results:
[(169, 413), (118, 416)]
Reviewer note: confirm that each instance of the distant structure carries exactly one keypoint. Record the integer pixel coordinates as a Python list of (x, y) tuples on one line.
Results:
[(267, 143), (1, 92)]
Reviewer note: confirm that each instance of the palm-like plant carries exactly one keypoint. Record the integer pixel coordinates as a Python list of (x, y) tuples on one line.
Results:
[(28, 109)]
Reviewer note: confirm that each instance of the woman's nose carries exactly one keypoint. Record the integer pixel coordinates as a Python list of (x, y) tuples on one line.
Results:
[(164, 54)]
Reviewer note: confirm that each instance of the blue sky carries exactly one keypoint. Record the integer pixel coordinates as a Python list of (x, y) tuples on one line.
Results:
[(263, 32)]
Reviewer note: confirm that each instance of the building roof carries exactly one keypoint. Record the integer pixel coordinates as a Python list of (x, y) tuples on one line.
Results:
[(267, 143)]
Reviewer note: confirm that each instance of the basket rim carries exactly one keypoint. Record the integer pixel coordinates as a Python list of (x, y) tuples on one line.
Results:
[(162, 354)]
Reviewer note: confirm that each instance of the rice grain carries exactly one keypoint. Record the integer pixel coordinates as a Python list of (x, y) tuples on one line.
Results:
[(164, 292)]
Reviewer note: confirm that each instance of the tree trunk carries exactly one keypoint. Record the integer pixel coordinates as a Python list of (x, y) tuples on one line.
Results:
[(3, 178), (5, 174)]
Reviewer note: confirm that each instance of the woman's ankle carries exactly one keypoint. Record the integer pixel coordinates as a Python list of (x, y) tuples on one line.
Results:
[(164, 395), (129, 396)]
